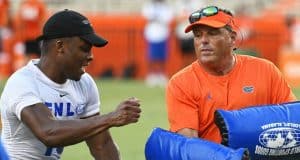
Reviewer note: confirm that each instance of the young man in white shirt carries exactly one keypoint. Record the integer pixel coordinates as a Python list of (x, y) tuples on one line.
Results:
[(52, 102)]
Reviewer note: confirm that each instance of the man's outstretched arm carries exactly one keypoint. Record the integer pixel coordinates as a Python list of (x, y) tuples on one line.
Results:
[(55, 133)]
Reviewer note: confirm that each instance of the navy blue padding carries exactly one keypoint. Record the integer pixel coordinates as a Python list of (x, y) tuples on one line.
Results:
[(165, 145), (268, 131)]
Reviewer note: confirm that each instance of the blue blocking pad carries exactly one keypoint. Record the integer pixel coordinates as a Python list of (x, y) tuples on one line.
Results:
[(165, 145), (269, 131)]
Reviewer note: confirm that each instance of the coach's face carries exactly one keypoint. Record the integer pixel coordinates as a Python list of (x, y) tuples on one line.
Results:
[(212, 45), (77, 56)]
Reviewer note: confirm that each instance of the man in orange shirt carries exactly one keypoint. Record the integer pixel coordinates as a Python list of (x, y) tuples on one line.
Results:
[(219, 78), (31, 17), (4, 20)]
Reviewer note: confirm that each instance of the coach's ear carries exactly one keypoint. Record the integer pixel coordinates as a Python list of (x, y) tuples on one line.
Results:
[(59, 45), (233, 36)]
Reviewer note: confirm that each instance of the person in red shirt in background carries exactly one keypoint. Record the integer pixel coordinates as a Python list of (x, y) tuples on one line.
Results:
[(219, 78), (4, 19), (30, 19), (4, 35)]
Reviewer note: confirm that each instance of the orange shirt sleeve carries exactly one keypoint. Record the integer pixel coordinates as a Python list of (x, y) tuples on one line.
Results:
[(281, 91), (182, 108)]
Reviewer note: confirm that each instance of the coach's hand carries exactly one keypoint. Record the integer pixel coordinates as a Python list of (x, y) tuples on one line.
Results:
[(127, 112)]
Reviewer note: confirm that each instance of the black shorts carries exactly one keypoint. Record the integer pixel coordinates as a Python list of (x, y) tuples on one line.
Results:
[(32, 48), (187, 46)]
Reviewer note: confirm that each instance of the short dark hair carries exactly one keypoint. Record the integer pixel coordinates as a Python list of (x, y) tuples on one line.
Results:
[(44, 45), (229, 28)]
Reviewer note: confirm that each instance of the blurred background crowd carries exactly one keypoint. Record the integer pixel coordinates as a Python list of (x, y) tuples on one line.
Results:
[(147, 39)]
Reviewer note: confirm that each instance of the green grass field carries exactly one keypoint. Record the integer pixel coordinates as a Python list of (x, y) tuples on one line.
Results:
[(130, 139)]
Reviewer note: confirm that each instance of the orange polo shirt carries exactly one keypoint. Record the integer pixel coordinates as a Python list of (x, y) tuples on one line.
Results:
[(193, 95)]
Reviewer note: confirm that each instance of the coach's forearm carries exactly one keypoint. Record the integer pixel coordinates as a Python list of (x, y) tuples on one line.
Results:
[(68, 132)]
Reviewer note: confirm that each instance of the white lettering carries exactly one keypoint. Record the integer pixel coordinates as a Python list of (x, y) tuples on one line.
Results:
[(278, 152), (295, 150), (271, 125), (261, 150), (283, 124), (294, 125)]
